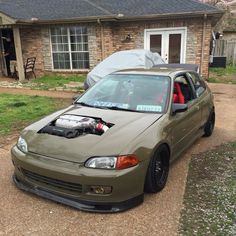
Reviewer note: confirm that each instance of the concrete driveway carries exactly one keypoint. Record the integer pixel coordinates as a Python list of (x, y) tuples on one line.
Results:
[(25, 214)]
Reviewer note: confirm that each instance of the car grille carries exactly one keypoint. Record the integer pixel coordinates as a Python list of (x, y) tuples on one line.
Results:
[(53, 182)]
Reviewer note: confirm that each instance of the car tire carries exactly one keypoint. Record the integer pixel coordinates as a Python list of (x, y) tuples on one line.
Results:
[(209, 127), (158, 170)]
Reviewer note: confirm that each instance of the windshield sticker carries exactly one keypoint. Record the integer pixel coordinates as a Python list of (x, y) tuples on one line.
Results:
[(109, 104), (149, 108)]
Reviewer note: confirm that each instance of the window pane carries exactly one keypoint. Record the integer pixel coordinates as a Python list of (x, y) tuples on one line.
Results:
[(85, 38), (84, 30), (61, 60), (174, 48), (80, 60), (72, 39), (54, 39), (155, 43), (78, 30), (63, 31), (54, 31), (198, 83), (54, 47), (77, 50), (72, 30), (58, 40), (65, 39), (78, 39)]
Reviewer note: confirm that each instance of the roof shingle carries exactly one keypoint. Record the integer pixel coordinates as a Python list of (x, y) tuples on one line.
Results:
[(46, 10)]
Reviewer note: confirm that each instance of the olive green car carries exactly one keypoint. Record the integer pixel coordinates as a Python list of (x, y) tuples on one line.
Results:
[(116, 141)]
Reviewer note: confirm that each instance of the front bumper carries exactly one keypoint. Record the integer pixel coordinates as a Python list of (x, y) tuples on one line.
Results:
[(127, 185), (81, 205)]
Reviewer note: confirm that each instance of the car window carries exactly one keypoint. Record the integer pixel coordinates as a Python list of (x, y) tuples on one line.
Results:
[(182, 91), (141, 93), (198, 83)]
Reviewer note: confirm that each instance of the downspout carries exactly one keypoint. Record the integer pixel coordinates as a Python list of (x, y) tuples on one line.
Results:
[(203, 42), (102, 38)]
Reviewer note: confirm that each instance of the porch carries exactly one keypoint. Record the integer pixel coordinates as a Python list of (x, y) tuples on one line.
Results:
[(9, 24)]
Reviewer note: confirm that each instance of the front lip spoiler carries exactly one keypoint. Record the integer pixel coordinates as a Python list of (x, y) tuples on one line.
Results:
[(81, 205)]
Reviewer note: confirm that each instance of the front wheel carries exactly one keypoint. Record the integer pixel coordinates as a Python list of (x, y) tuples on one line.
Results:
[(158, 170)]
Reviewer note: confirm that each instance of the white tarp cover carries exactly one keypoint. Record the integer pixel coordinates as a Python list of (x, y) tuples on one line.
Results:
[(137, 58)]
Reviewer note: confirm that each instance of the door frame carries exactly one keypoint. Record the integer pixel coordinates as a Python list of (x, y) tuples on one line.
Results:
[(165, 46), (3, 69)]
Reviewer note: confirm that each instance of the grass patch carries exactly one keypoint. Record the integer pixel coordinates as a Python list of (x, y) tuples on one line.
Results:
[(229, 70), (209, 200), (16, 111), (47, 82), (223, 75)]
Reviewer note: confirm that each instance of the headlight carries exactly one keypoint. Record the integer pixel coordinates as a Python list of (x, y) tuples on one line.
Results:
[(101, 162), (120, 162), (22, 145)]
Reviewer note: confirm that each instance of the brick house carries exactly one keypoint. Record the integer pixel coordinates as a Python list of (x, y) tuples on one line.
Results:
[(75, 35)]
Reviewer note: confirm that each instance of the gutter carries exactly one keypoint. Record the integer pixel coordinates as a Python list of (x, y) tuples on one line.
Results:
[(203, 41), (119, 17)]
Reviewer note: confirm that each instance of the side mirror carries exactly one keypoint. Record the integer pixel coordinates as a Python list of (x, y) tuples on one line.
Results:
[(177, 108)]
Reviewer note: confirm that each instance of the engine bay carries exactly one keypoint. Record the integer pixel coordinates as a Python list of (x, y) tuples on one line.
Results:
[(72, 126)]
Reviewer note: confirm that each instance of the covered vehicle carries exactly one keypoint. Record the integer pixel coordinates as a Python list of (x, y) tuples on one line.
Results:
[(137, 58), (116, 141)]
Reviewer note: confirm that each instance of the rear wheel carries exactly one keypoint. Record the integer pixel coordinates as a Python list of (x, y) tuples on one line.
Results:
[(158, 170), (208, 130)]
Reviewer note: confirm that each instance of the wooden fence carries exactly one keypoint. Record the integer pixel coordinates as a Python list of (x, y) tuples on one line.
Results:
[(227, 49)]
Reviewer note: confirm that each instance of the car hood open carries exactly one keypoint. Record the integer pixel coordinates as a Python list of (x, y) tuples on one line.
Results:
[(127, 126)]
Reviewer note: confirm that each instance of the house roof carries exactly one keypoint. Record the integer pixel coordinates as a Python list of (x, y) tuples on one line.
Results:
[(58, 10)]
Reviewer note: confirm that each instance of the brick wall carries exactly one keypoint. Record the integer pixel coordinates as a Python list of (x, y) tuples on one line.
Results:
[(32, 46), (114, 37), (36, 40)]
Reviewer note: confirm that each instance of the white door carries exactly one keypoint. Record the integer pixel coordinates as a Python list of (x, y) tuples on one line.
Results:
[(170, 43)]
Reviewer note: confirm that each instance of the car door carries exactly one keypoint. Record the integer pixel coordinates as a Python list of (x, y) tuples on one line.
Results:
[(202, 96), (185, 125)]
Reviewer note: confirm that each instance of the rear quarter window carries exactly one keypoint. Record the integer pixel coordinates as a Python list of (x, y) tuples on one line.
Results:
[(198, 83)]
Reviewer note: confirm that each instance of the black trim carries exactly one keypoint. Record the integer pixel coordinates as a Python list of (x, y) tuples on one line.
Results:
[(80, 204)]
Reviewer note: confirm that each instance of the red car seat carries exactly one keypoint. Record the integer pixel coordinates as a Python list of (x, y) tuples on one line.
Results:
[(178, 96)]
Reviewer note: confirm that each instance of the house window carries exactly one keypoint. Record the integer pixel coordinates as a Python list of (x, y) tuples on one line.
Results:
[(70, 48)]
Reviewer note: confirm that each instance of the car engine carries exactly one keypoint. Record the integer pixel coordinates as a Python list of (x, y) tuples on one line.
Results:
[(72, 126)]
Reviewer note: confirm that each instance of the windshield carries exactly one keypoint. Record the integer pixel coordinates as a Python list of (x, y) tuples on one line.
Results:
[(139, 93)]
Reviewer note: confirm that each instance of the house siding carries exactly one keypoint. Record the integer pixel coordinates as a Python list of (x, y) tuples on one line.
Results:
[(32, 46), (115, 33), (107, 38), (46, 49)]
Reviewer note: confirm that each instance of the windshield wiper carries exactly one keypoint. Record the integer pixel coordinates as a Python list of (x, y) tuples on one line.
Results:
[(88, 105), (84, 104), (120, 109)]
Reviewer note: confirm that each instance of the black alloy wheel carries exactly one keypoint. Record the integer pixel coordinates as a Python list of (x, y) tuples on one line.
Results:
[(158, 170)]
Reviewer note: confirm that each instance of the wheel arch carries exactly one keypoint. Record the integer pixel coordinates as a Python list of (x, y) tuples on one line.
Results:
[(163, 144)]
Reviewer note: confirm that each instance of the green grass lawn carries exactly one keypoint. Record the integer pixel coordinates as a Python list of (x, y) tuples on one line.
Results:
[(223, 75), (209, 200), (229, 70), (17, 111), (52, 81)]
